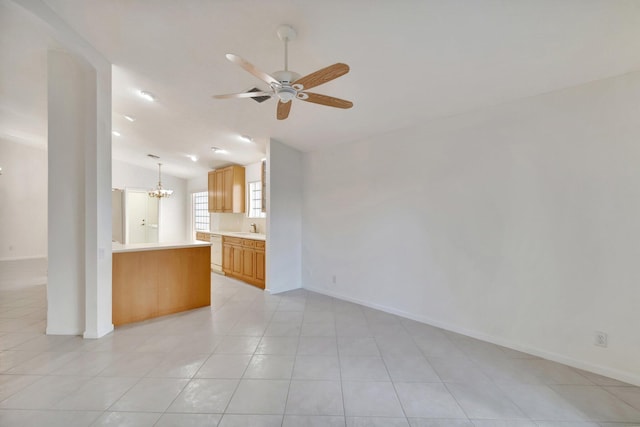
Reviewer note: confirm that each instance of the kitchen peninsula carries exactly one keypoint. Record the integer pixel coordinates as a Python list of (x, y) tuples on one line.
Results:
[(156, 279)]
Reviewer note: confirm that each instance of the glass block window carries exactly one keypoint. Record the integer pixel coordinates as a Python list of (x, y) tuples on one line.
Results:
[(255, 200), (201, 211)]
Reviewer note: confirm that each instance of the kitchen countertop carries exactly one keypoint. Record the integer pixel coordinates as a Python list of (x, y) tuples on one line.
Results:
[(137, 247), (241, 234)]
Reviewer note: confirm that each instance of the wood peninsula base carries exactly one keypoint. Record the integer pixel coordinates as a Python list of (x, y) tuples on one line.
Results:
[(158, 280)]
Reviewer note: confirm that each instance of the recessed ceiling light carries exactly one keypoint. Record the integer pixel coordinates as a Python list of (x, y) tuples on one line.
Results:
[(246, 138), (131, 119), (219, 150), (193, 158), (116, 133), (147, 95)]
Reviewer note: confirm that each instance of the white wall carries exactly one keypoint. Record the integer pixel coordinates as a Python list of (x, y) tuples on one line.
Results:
[(23, 215), (284, 217), (174, 211), (517, 224), (23, 201)]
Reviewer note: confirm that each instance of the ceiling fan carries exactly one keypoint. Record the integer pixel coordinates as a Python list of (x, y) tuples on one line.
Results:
[(287, 85)]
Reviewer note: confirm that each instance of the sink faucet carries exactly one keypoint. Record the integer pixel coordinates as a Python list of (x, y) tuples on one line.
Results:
[(252, 227)]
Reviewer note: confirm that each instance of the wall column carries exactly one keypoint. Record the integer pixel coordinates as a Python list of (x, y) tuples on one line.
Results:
[(79, 176), (284, 218)]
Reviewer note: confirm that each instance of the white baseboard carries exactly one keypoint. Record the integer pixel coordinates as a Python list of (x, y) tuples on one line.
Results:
[(98, 334), (23, 258), (51, 331), (7, 285), (627, 377), (279, 291)]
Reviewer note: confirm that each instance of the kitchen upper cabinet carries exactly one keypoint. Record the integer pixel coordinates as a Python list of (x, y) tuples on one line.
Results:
[(226, 190)]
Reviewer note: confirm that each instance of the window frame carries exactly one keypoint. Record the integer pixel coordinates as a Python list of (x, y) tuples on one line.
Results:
[(200, 210), (254, 200)]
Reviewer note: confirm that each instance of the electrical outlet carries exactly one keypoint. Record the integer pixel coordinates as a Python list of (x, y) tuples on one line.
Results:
[(601, 339), (333, 279)]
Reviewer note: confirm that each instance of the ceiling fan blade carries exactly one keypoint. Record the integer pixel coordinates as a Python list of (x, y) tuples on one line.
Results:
[(243, 95), (253, 70), (283, 110), (329, 101), (323, 76)]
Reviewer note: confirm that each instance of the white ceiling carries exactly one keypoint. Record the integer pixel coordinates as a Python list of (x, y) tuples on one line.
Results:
[(411, 61)]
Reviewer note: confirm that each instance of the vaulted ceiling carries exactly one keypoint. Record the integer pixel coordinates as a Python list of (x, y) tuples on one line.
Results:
[(411, 61)]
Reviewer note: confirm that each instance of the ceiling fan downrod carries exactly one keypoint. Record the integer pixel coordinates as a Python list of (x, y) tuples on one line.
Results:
[(286, 33)]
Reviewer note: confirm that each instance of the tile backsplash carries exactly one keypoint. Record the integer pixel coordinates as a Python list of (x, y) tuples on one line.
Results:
[(235, 222)]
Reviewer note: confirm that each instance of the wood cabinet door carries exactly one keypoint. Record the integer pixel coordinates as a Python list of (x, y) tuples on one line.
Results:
[(248, 263), (211, 187), (227, 194), (260, 273), (236, 261), (219, 192), (227, 255)]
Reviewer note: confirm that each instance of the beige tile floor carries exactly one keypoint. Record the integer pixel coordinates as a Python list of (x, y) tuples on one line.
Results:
[(294, 360)]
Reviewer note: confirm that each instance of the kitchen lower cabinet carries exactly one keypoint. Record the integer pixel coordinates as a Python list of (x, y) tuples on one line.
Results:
[(203, 236), (260, 264), (152, 282), (248, 262), (236, 261), (244, 259)]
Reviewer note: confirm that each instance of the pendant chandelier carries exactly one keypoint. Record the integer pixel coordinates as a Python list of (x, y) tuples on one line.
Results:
[(160, 192)]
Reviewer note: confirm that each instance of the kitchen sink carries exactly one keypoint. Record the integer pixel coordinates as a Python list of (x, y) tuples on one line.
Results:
[(244, 233)]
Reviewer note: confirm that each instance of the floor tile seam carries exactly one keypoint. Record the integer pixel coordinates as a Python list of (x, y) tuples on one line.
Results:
[(235, 390), (344, 407), (389, 372), (56, 402), (16, 392), (478, 366), (621, 399), (458, 402), (572, 369), (195, 374), (134, 383), (172, 400), (286, 399), (585, 417), (606, 388), (20, 363), (395, 390), (390, 380), (23, 342)]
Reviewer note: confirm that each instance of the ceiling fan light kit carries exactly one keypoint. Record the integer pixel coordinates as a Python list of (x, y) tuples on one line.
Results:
[(287, 85)]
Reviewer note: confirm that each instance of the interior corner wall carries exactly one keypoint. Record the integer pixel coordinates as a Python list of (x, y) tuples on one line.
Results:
[(23, 200), (174, 210), (516, 224), (284, 217)]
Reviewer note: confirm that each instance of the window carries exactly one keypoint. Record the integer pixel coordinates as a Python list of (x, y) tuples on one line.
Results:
[(201, 211), (255, 200)]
